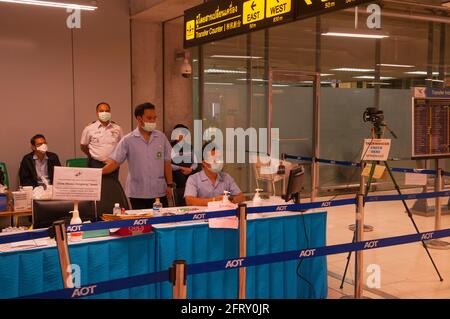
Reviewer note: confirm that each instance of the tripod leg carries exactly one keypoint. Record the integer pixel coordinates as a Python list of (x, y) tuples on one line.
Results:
[(348, 262), (412, 219)]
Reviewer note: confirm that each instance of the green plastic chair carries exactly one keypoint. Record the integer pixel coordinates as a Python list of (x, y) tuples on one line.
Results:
[(5, 172), (77, 162)]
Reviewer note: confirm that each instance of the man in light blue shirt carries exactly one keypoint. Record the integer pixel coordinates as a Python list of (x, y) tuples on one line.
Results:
[(209, 184), (148, 153)]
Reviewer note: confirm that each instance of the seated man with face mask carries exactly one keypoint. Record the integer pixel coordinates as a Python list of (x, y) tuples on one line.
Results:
[(38, 166), (209, 184)]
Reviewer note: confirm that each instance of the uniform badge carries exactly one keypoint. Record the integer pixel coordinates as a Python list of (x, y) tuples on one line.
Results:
[(159, 155)]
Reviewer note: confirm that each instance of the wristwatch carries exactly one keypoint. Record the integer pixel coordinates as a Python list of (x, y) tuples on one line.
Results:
[(172, 185)]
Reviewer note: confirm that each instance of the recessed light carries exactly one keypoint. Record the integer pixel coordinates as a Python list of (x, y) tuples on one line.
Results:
[(52, 4)]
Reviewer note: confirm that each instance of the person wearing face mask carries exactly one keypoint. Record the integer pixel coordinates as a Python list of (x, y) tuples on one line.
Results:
[(209, 184), (38, 166), (184, 163), (100, 138), (148, 153)]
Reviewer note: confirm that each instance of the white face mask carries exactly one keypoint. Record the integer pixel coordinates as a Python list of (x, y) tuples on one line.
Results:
[(104, 116), (216, 165), (43, 148), (149, 127)]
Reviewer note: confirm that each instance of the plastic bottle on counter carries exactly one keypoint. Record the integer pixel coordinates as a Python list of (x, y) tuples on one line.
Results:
[(257, 200), (157, 205), (116, 209), (76, 236)]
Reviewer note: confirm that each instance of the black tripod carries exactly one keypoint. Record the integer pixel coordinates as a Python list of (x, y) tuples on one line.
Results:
[(376, 117)]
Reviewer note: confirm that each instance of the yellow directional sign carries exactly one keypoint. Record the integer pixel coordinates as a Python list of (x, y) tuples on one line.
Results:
[(277, 7), (253, 11), (190, 30)]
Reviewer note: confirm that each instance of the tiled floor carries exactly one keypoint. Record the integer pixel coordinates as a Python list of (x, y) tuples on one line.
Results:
[(406, 271)]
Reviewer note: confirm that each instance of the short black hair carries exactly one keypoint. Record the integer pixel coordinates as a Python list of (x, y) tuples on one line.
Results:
[(101, 103), (139, 110), (180, 126), (34, 138)]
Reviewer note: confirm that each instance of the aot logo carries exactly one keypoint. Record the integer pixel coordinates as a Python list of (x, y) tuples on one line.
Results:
[(140, 222), (307, 253), (234, 263), (75, 228), (281, 208), (371, 244), (427, 236), (326, 204), (84, 291), (199, 216)]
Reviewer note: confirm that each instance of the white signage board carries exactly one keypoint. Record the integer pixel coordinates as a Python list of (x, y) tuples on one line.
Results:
[(76, 184), (376, 149), (415, 179)]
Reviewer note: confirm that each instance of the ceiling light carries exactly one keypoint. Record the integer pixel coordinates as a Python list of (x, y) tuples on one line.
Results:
[(218, 83), (353, 70), (326, 74), (421, 73), (371, 77), (379, 83), (53, 4), (221, 71), (235, 56), (396, 65), (356, 35), (435, 80)]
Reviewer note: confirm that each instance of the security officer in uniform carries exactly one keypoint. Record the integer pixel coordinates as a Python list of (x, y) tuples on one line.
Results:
[(148, 153), (184, 163), (100, 138), (209, 184)]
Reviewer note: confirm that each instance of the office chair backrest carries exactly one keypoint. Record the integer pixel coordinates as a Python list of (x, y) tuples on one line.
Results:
[(112, 192), (178, 197), (5, 174), (45, 212), (77, 162)]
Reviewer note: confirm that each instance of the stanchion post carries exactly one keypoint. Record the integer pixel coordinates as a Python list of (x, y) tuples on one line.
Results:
[(242, 215), (438, 188), (178, 276), (438, 244), (359, 236), (63, 252)]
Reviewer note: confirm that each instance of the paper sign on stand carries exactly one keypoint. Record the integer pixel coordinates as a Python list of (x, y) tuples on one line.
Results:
[(415, 179), (376, 149), (77, 184)]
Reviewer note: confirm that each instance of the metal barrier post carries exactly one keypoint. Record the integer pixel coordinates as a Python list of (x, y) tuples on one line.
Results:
[(177, 276), (242, 215), (438, 244), (60, 236), (359, 254)]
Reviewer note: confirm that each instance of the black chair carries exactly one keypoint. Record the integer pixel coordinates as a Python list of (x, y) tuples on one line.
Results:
[(178, 197), (45, 212), (112, 192)]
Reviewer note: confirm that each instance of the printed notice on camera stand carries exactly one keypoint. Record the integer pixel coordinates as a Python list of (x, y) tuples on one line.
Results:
[(76, 184), (376, 149)]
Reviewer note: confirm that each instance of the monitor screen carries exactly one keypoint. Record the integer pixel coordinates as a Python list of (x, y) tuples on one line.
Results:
[(45, 212), (295, 184)]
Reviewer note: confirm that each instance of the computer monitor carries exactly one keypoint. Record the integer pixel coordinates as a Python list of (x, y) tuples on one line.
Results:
[(295, 184), (45, 212)]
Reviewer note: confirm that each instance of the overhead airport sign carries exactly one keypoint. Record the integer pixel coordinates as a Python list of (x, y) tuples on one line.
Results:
[(311, 8), (220, 19)]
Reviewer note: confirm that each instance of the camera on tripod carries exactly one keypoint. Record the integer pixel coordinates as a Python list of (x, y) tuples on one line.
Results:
[(372, 114)]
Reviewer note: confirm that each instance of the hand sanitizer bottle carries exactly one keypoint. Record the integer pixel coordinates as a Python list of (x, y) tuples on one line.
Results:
[(257, 200), (116, 209), (77, 236), (225, 199), (157, 206)]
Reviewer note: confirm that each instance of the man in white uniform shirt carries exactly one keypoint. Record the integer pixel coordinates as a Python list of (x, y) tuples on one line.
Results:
[(100, 138)]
